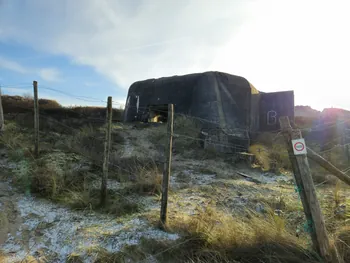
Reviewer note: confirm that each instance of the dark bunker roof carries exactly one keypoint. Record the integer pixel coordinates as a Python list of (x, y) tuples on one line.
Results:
[(189, 81), (213, 96)]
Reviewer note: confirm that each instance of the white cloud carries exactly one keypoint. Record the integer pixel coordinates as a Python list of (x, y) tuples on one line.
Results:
[(127, 40), (15, 91), (49, 74), (12, 65), (91, 84), (277, 45)]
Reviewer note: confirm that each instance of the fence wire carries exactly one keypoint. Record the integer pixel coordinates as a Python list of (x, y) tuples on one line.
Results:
[(99, 163)]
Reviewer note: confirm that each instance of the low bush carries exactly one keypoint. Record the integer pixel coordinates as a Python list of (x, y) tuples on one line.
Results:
[(186, 134), (143, 174), (187, 130), (54, 174), (342, 242)]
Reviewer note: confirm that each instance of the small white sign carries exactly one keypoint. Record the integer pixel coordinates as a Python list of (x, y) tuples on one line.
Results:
[(299, 146)]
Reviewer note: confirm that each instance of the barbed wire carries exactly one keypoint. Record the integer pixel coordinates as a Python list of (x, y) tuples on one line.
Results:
[(65, 109), (184, 136), (216, 143), (92, 99), (83, 98), (225, 128), (336, 146), (211, 142)]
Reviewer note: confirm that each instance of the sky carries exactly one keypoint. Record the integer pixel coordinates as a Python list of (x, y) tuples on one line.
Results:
[(82, 51)]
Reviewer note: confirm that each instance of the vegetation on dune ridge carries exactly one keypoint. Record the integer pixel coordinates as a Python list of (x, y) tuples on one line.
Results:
[(25, 104)]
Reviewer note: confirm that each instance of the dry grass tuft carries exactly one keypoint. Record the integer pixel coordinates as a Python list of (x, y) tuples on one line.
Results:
[(143, 174), (214, 236), (271, 152), (3, 257), (130, 254), (262, 155), (186, 130), (342, 242)]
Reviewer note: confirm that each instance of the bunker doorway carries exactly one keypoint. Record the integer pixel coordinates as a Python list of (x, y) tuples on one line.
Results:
[(158, 113)]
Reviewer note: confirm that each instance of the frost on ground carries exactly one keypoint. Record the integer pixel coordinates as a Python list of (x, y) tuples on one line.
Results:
[(60, 232), (112, 185)]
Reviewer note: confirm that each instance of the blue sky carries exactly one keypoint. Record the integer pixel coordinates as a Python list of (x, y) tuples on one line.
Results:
[(22, 64), (98, 48)]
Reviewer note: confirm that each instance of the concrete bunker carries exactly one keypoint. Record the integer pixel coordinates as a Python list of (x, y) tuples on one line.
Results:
[(230, 108)]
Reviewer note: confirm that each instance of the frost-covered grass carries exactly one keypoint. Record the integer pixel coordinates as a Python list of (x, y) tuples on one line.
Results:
[(62, 232), (125, 230)]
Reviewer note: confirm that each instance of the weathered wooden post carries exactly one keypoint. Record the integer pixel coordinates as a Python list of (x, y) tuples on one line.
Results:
[(306, 188), (328, 166), (347, 152), (107, 148), (167, 167), (2, 120), (36, 119)]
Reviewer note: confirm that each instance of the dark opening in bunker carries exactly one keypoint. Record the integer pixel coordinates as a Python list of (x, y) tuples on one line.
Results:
[(158, 113)]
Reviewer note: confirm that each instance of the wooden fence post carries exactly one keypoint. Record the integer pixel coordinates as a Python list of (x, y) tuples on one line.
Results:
[(347, 152), (107, 148), (2, 120), (328, 166), (307, 192), (167, 167), (36, 119)]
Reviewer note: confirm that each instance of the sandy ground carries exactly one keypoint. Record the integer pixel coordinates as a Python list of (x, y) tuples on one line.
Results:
[(50, 232), (38, 227)]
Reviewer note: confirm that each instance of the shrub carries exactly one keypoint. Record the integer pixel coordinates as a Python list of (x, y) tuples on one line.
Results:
[(186, 134), (17, 104), (48, 180), (12, 136), (54, 174), (88, 142), (144, 175), (275, 156), (321, 176), (188, 130), (262, 155), (23, 174), (279, 155), (342, 243)]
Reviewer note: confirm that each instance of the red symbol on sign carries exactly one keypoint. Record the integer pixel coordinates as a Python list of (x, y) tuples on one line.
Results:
[(298, 146)]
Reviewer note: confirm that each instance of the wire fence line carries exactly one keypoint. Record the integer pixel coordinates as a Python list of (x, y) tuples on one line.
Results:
[(176, 135), (324, 126), (213, 142), (99, 163), (226, 129)]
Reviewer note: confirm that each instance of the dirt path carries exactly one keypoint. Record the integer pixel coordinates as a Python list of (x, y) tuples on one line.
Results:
[(9, 218)]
